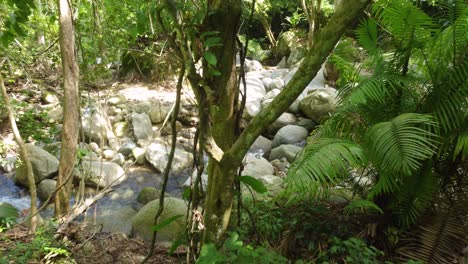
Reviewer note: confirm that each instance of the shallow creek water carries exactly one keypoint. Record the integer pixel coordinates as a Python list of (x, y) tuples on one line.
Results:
[(123, 195)]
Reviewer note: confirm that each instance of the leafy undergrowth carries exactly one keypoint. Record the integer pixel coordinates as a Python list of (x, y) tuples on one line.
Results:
[(83, 246)]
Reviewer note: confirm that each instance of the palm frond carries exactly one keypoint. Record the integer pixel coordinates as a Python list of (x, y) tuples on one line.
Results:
[(448, 98), (401, 19), (367, 35), (414, 196), (346, 123), (376, 88), (461, 147), (363, 206), (325, 160), (400, 145), (439, 241)]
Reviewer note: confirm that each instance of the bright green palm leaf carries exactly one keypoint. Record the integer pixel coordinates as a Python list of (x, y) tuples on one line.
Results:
[(325, 160), (400, 145)]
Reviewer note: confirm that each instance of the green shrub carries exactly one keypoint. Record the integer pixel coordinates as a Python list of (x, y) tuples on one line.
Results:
[(234, 251), (42, 248)]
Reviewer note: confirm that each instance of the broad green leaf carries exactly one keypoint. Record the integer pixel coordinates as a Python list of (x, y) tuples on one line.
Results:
[(166, 222), (8, 211), (363, 206), (208, 33), (210, 58), (253, 183), (212, 42)]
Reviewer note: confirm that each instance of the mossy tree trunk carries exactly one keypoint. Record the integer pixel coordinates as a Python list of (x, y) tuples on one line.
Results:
[(70, 109), (222, 169), (218, 98)]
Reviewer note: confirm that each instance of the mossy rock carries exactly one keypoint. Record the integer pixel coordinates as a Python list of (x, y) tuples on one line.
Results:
[(147, 195)]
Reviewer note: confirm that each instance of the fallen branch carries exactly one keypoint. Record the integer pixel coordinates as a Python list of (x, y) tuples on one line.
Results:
[(77, 211)]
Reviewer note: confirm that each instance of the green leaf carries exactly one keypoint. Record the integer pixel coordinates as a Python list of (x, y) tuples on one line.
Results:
[(8, 211), (166, 222), (214, 72), (210, 58), (400, 145), (212, 42), (363, 206), (253, 183), (208, 33)]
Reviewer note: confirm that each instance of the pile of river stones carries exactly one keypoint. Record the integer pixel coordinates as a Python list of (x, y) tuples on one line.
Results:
[(124, 130)]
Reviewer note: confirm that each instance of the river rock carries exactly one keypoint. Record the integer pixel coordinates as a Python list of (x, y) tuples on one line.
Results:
[(55, 114), (119, 159), (158, 112), (117, 100), (252, 108), (272, 183), (101, 174), (97, 126), (276, 83), (262, 146), (116, 220), (297, 54), (139, 154), (204, 180), (289, 134), (290, 74), (143, 221), (319, 103), (142, 128), (158, 154), (281, 165), (284, 120), (50, 98), (127, 147), (46, 188), (141, 107), (257, 166), (285, 41), (252, 65), (147, 195), (271, 94), (120, 129), (255, 88), (8, 163), (108, 154), (44, 164), (285, 151), (306, 123)]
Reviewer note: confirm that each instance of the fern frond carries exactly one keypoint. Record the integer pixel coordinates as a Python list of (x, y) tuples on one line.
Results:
[(400, 145), (325, 160)]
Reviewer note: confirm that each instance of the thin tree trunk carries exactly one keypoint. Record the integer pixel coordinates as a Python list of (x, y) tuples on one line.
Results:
[(24, 157), (40, 37), (267, 27), (70, 109)]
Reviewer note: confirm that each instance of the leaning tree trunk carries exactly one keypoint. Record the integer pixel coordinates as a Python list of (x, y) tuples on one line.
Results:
[(70, 109), (222, 168), (24, 157)]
